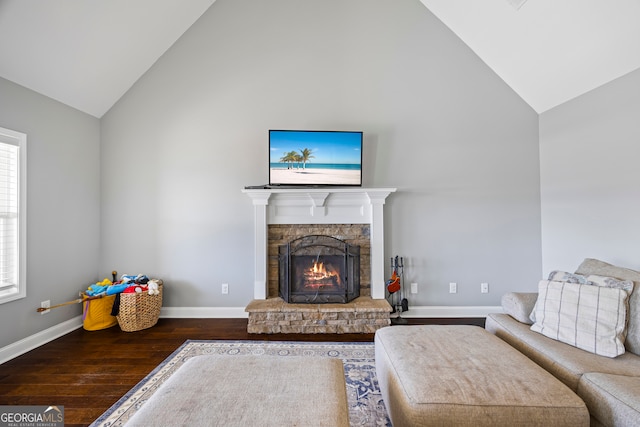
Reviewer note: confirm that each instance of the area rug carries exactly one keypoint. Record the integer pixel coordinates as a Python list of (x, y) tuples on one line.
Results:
[(366, 407)]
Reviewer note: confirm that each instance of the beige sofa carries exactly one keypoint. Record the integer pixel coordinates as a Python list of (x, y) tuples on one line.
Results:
[(609, 386)]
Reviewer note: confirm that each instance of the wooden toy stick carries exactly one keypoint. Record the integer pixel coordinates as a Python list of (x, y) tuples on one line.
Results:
[(75, 301)]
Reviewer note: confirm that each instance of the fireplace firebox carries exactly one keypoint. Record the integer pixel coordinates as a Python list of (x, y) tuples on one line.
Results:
[(319, 269)]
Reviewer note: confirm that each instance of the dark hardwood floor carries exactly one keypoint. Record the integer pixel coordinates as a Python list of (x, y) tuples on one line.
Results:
[(87, 372)]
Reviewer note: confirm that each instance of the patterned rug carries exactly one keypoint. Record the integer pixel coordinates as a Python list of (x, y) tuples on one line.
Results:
[(366, 407)]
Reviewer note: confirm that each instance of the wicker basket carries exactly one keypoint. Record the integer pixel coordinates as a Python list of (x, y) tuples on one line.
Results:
[(139, 311)]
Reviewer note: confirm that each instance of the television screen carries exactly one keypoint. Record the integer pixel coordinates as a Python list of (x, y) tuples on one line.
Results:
[(315, 158)]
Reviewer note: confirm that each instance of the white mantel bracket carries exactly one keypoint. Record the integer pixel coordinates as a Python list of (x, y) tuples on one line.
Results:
[(318, 199), (343, 205)]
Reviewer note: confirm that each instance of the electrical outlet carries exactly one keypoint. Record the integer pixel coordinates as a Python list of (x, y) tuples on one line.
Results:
[(414, 288), (484, 288), (453, 288), (45, 304), (225, 288)]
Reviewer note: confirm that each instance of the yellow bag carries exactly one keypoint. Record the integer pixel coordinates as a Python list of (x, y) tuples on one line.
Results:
[(96, 313)]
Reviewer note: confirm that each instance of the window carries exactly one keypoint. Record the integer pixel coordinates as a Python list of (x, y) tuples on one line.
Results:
[(13, 160)]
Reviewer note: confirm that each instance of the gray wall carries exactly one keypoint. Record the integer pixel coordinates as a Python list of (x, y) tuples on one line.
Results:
[(63, 207), (589, 151), (459, 144)]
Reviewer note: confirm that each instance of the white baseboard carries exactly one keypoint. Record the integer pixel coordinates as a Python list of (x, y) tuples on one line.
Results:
[(36, 340), (450, 311), (203, 312)]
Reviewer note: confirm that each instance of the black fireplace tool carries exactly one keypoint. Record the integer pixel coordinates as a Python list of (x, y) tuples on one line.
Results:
[(396, 286)]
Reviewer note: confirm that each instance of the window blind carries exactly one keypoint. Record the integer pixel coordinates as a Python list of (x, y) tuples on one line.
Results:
[(10, 216)]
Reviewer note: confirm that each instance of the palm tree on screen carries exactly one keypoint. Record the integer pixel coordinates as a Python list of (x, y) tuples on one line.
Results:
[(297, 158), (289, 158), (306, 155)]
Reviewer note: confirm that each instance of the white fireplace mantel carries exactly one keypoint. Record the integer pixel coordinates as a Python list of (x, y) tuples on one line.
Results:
[(344, 205)]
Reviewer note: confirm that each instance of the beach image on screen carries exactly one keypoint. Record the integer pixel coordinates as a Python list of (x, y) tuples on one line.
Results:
[(315, 158)]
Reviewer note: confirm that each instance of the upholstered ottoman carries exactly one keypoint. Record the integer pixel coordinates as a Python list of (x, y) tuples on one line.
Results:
[(249, 391), (460, 375)]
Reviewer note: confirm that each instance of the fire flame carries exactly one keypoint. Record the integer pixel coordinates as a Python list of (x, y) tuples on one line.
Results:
[(318, 268), (318, 274)]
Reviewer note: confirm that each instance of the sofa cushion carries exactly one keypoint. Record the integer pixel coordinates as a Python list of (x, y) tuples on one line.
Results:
[(565, 362), (592, 318), (519, 305), (593, 266), (614, 400)]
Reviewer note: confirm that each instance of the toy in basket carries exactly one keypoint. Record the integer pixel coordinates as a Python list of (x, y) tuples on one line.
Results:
[(140, 309), (97, 305)]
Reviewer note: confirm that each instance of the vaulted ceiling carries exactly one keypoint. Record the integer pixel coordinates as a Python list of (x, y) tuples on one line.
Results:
[(548, 51), (88, 53)]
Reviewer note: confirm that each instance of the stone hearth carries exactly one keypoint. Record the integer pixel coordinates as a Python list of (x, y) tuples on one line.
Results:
[(273, 316)]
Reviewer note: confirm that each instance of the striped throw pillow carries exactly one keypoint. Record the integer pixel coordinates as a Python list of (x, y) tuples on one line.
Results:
[(592, 318)]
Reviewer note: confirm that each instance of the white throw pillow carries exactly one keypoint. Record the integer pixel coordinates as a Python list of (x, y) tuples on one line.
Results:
[(565, 276), (592, 318), (610, 282), (594, 280)]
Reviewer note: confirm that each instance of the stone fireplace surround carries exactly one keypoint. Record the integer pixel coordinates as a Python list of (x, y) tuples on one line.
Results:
[(339, 211)]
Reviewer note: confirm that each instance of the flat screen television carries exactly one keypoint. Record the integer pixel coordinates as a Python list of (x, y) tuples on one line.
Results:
[(315, 158)]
